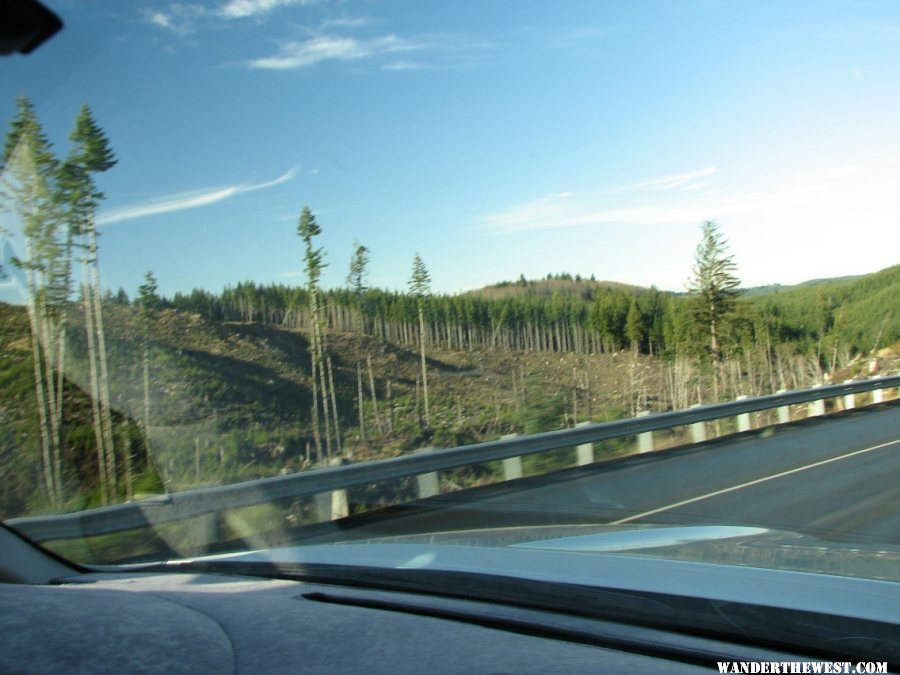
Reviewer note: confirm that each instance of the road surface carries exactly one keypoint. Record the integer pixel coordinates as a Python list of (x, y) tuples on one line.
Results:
[(834, 477)]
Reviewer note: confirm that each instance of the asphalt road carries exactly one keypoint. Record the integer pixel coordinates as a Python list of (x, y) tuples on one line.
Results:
[(836, 477)]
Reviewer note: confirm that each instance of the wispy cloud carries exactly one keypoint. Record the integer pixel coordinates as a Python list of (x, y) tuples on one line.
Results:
[(177, 17), (187, 200), (343, 23), (242, 9), (570, 209), (306, 53), (403, 65), (182, 17), (826, 197), (679, 180)]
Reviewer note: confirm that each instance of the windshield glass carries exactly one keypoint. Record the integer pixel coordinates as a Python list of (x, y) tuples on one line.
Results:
[(281, 273)]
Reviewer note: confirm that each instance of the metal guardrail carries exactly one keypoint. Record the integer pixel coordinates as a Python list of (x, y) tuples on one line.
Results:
[(190, 503)]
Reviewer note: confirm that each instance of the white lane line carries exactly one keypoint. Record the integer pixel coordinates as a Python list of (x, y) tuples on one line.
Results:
[(748, 484)]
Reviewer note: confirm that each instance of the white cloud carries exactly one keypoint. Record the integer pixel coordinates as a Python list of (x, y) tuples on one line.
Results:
[(242, 9), (187, 200), (177, 17), (832, 197), (669, 182), (182, 18), (294, 55), (160, 19), (403, 65), (345, 22)]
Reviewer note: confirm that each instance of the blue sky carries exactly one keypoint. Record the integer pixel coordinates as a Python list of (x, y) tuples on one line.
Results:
[(493, 138)]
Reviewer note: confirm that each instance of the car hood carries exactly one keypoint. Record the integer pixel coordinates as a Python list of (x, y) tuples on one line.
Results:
[(720, 545)]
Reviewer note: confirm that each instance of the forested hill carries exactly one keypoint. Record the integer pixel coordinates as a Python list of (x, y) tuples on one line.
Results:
[(834, 320), (562, 284), (777, 288)]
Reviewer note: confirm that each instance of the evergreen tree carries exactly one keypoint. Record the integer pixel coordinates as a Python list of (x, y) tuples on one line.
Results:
[(634, 326), (713, 284), (30, 180), (148, 295), (357, 278), (149, 302), (91, 154), (313, 257), (420, 288), (359, 269)]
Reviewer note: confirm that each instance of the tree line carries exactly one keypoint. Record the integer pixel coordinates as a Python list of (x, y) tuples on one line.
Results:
[(831, 322)]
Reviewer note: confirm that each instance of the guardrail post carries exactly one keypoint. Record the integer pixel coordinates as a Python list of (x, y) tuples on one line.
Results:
[(743, 420), (339, 506), (323, 506), (512, 467), (645, 440), (816, 408), (878, 396), (584, 453), (849, 399), (332, 505), (698, 429), (428, 483), (784, 411)]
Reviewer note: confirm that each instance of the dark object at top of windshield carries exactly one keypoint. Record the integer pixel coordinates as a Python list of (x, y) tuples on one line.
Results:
[(25, 25)]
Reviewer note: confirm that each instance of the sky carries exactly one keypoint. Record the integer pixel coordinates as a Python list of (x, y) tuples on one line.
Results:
[(495, 139)]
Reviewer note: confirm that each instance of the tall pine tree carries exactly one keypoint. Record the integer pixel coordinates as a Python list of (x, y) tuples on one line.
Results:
[(713, 284), (91, 154), (30, 176), (420, 288)]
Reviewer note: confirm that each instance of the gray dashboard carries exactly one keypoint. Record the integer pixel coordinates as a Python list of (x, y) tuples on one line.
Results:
[(203, 623)]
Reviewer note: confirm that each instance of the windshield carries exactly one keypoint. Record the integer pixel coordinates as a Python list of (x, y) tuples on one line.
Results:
[(285, 273)]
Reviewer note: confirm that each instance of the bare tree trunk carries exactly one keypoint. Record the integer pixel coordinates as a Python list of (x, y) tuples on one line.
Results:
[(359, 402), (374, 395), (315, 410), (39, 383), (60, 393), (326, 416), (105, 411), (102, 466), (48, 344), (129, 472), (390, 400), (146, 368), (574, 395), (424, 369), (418, 399), (334, 410)]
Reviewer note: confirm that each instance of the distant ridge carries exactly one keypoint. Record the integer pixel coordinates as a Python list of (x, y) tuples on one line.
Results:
[(777, 288), (563, 285)]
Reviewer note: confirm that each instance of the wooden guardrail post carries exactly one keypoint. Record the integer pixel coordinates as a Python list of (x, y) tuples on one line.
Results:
[(512, 467), (878, 396), (743, 419), (645, 440), (784, 411), (849, 399), (816, 408), (332, 505), (698, 429), (584, 453), (428, 483)]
